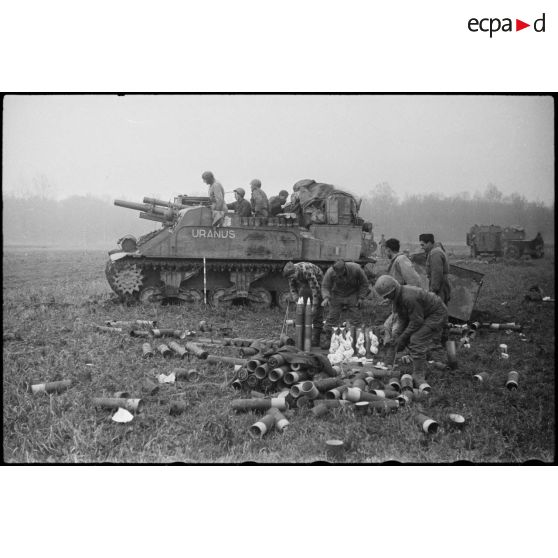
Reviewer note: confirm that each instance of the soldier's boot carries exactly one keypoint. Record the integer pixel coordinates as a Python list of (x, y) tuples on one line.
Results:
[(325, 339), (316, 336)]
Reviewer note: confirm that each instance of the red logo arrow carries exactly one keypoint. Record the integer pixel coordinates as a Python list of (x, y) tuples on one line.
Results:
[(519, 25)]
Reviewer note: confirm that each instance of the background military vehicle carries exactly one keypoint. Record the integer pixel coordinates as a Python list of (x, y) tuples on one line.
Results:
[(497, 241), (242, 258)]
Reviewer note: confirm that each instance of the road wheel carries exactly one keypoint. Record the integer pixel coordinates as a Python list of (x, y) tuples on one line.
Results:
[(150, 295), (191, 295), (216, 298), (260, 298)]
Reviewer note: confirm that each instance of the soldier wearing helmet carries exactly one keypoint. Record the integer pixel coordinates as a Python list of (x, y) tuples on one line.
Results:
[(216, 197), (345, 286), (276, 203), (420, 319), (241, 206), (259, 201), (305, 280), (437, 266)]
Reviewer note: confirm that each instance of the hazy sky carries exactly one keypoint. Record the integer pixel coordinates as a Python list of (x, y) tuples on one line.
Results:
[(134, 146)]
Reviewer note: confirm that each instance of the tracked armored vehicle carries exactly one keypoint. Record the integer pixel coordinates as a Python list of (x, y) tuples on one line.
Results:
[(242, 258), (510, 242)]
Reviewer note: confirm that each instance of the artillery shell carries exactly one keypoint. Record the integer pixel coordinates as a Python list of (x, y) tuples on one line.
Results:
[(406, 383), (362, 407), (335, 449), (428, 425), (196, 350), (327, 384), (513, 378), (253, 364), (147, 350), (277, 373), (275, 361), (247, 351), (424, 387), (281, 421), (191, 375), (308, 389), (481, 377), (132, 405), (304, 402), (121, 395), (337, 392), (259, 404), (384, 406), (263, 426), (180, 351), (139, 333), (261, 371), (294, 377), (164, 350), (51, 387), (405, 398), (359, 383), (452, 356), (215, 359), (237, 385), (252, 381), (394, 383)]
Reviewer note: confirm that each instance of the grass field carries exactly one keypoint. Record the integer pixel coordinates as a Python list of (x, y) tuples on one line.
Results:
[(52, 299)]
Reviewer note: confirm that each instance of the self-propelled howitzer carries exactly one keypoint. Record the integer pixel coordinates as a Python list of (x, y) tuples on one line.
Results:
[(242, 258)]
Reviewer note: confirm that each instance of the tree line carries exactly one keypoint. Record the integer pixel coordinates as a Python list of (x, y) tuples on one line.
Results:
[(449, 218), (95, 223)]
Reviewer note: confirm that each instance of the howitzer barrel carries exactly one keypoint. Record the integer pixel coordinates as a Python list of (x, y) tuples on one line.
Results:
[(165, 213), (163, 203), (152, 217)]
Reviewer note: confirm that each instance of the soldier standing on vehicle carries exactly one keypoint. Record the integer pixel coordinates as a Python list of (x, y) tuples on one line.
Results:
[(305, 280), (345, 286), (260, 204), (241, 206), (382, 243), (420, 319), (216, 197), (276, 203), (437, 267)]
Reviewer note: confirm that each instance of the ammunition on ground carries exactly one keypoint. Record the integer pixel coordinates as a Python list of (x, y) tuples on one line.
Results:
[(275, 361), (132, 405), (406, 383), (337, 392), (180, 351), (481, 377), (362, 407), (149, 387), (257, 404), (297, 366), (214, 359), (277, 373), (281, 421), (358, 383), (247, 351), (385, 393), (327, 384), (242, 374), (513, 379), (164, 350), (299, 324), (51, 387), (139, 333), (147, 350), (289, 322), (428, 425), (121, 395), (373, 383), (237, 384), (384, 406), (405, 398), (261, 371), (257, 394), (335, 449), (456, 421), (308, 326), (503, 348), (355, 395), (128, 323), (424, 387), (475, 325), (308, 389), (394, 384), (293, 377), (204, 326), (177, 408), (418, 395), (109, 329), (191, 375), (266, 384), (196, 350), (263, 426), (167, 332), (253, 364), (452, 356)]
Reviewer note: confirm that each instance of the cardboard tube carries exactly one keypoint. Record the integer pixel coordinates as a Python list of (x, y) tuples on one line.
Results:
[(121, 395), (337, 392), (481, 377), (252, 381), (373, 383), (281, 421), (196, 350), (362, 407), (385, 393), (276, 361), (335, 449), (308, 326), (237, 385), (242, 374), (164, 350), (405, 398), (277, 373), (261, 371), (147, 351), (308, 389), (216, 359), (139, 333), (132, 405), (259, 404), (428, 425), (384, 406), (513, 379), (165, 332), (327, 384), (263, 426), (299, 324), (180, 351), (191, 375), (394, 384), (247, 351), (51, 387), (253, 364), (293, 377)]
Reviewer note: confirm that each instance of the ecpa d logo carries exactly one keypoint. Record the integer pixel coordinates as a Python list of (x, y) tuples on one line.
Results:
[(492, 25)]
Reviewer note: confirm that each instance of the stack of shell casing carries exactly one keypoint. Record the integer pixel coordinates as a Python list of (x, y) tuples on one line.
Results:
[(303, 324)]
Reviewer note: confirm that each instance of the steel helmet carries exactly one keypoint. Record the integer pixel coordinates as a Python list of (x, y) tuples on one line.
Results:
[(241, 191), (385, 285), (255, 183), (207, 175)]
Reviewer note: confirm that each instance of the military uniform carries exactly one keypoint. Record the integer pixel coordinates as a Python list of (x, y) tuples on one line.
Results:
[(344, 292), (421, 317), (401, 268), (260, 204), (241, 207), (437, 270), (276, 205)]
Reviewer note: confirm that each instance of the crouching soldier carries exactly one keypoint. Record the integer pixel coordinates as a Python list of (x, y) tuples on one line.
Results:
[(420, 317), (305, 280), (345, 286)]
